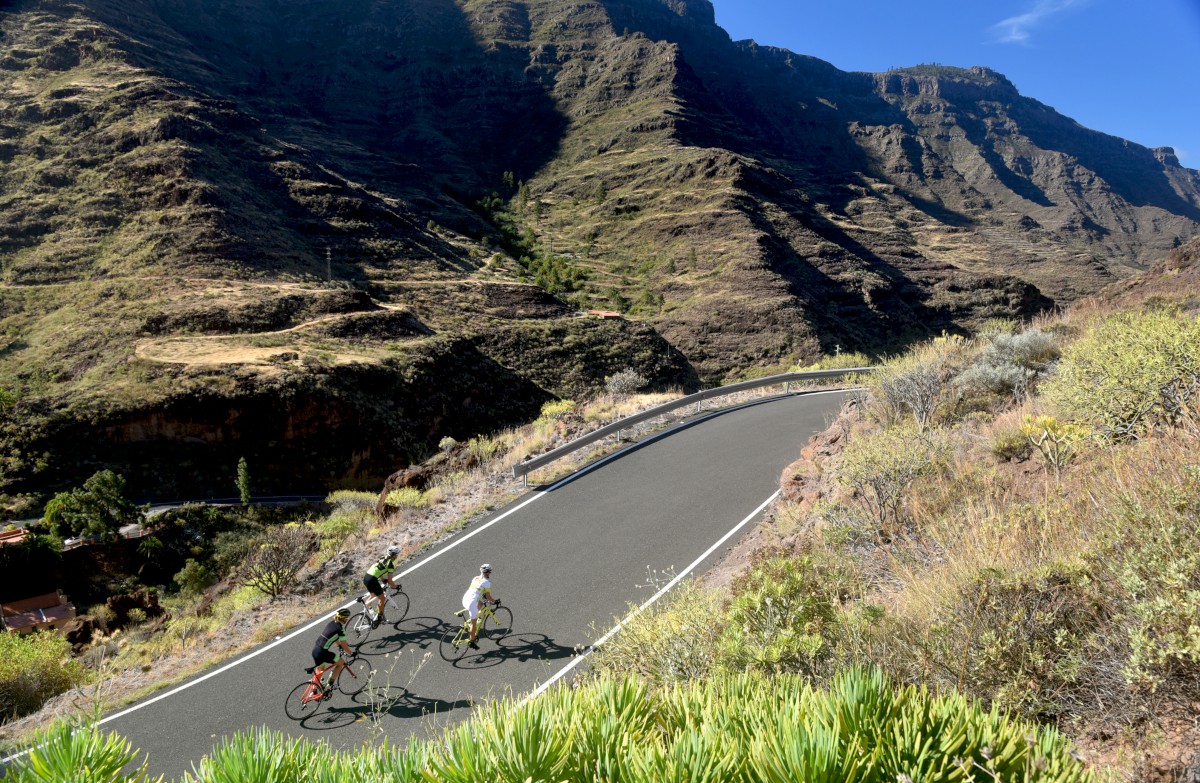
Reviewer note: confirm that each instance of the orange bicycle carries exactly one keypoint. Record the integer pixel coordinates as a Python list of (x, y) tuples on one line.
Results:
[(306, 698)]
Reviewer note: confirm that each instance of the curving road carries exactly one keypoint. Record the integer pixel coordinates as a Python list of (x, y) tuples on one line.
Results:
[(568, 560)]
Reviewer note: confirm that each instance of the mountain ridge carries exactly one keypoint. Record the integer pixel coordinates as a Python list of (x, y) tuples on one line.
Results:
[(748, 207)]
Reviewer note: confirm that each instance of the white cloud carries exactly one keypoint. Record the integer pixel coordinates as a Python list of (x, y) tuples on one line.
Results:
[(1018, 29)]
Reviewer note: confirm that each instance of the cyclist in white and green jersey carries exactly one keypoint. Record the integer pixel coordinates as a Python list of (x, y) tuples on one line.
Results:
[(478, 591), (382, 570)]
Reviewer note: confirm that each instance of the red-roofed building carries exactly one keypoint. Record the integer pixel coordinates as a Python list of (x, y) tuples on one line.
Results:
[(39, 613), (14, 536)]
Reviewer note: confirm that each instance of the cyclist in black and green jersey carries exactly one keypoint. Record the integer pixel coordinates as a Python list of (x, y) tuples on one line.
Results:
[(382, 570), (324, 651)]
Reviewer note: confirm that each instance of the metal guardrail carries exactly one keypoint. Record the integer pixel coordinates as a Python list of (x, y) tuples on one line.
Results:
[(528, 466)]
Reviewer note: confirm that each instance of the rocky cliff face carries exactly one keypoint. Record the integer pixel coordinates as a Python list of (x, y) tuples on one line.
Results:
[(188, 184)]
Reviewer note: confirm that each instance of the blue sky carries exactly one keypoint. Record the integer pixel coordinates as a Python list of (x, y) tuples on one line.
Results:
[(1124, 67)]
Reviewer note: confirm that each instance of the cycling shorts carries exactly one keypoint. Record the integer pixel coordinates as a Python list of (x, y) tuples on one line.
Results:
[(327, 656), (373, 584)]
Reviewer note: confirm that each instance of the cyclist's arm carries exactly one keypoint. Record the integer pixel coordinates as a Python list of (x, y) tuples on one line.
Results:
[(345, 647)]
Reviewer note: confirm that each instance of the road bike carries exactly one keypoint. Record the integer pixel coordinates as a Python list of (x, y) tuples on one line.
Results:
[(306, 698), (495, 622), (360, 624)]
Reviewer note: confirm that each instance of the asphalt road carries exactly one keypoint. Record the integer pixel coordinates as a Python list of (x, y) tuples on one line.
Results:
[(568, 559)]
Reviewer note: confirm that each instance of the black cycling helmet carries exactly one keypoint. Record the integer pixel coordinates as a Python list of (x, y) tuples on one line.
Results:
[(342, 615)]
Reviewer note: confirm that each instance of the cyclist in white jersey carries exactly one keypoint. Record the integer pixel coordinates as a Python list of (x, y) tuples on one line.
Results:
[(472, 600)]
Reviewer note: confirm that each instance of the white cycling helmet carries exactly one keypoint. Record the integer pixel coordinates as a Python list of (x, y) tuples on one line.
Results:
[(393, 550), (483, 569)]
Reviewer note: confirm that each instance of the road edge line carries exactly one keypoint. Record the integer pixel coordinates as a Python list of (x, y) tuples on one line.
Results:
[(624, 621)]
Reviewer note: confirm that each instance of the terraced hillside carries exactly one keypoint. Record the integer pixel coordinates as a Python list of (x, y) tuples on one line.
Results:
[(388, 215)]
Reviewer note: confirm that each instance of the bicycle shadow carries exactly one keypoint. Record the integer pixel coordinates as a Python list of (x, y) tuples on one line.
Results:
[(516, 647), (420, 631), (397, 701), (336, 716)]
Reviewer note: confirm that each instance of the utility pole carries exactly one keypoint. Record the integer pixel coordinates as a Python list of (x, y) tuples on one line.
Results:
[(328, 265)]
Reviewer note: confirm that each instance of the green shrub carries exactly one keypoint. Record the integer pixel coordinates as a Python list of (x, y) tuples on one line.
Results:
[(780, 619), (1011, 444), (1156, 559), (483, 449), (880, 468), (1010, 362), (136, 616), (33, 668), (99, 507), (554, 410), (913, 384), (1022, 642), (336, 529), (277, 558), (193, 578), (627, 381), (79, 754), (1057, 442), (736, 728), (674, 641), (230, 548), (1132, 374), (407, 497)]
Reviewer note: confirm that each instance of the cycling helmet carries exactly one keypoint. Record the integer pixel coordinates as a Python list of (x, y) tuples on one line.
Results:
[(393, 550), (342, 615), (483, 569)]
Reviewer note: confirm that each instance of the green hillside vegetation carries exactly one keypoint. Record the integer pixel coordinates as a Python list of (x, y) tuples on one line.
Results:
[(729, 729), (998, 550), (1015, 518)]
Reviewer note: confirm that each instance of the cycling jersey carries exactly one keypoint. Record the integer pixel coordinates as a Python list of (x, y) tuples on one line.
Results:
[(475, 593), (331, 635), (384, 567)]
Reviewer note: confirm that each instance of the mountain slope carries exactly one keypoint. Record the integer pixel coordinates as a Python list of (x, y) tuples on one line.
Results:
[(208, 201)]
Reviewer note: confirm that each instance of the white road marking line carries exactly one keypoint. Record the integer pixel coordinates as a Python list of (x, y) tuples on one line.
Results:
[(613, 631), (536, 496)]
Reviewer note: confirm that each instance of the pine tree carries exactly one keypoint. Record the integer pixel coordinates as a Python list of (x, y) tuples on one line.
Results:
[(243, 481)]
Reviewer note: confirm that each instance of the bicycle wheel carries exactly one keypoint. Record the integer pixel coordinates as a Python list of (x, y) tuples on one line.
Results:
[(497, 624), (358, 628), (454, 643), (303, 701), (397, 607), (355, 676)]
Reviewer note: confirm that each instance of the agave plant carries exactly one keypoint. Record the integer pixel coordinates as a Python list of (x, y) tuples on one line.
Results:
[(80, 754)]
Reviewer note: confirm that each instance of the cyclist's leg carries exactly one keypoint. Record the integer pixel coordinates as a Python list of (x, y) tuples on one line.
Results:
[(376, 593), (475, 621), (339, 666), (472, 608), (323, 660)]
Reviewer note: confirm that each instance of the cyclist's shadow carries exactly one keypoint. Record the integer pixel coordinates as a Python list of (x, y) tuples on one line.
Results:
[(423, 632), (396, 701), (515, 647)]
